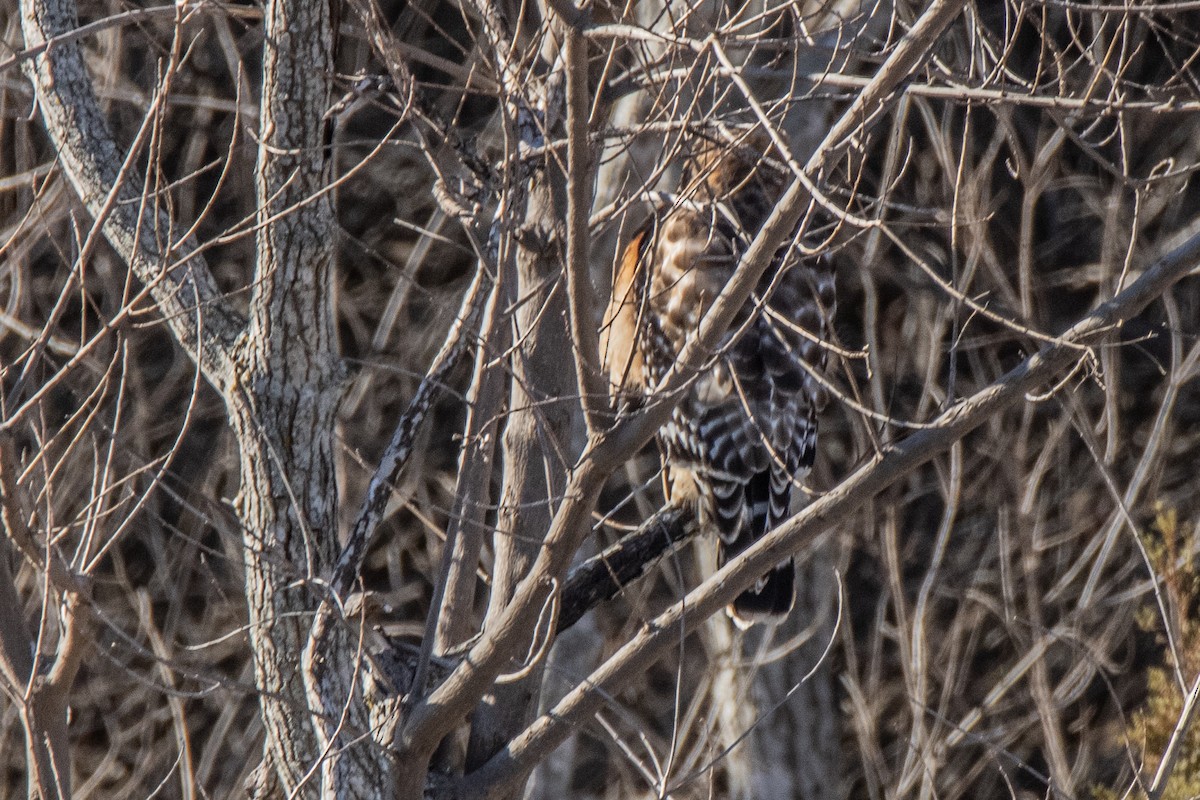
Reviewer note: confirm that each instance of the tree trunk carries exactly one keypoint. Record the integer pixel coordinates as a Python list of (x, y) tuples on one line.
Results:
[(283, 410), (536, 455), (796, 746)]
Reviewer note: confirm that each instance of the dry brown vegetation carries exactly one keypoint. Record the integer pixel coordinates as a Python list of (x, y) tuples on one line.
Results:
[(1010, 613)]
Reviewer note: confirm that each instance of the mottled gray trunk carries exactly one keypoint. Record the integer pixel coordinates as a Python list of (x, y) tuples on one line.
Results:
[(795, 748), (780, 717), (284, 406)]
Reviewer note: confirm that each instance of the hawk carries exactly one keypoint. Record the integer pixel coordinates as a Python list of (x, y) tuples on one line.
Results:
[(744, 433)]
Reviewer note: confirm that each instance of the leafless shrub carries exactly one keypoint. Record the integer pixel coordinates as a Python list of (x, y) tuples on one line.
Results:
[(259, 509)]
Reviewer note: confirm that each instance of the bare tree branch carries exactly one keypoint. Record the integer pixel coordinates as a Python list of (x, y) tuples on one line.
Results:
[(404, 435), (592, 391), (110, 188), (430, 720), (605, 574), (39, 688), (897, 460)]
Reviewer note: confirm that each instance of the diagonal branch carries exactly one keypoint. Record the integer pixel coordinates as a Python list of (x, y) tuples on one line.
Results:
[(605, 574), (433, 718), (404, 437), (893, 463), (109, 186)]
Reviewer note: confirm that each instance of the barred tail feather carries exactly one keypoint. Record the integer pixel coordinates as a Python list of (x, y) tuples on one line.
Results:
[(769, 600), (765, 502), (727, 505)]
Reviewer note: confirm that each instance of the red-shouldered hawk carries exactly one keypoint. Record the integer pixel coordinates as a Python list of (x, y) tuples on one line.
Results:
[(745, 431)]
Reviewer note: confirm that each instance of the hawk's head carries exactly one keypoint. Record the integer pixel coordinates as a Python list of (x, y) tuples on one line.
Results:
[(742, 168)]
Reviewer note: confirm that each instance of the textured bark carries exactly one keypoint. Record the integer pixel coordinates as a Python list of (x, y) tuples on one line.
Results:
[(602, 576), (283, 411)]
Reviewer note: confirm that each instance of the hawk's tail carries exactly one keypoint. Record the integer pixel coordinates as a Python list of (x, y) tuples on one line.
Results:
[(744, 513), (769, 600)]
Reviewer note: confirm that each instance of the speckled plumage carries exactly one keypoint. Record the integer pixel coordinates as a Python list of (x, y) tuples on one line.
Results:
[(744, 434)]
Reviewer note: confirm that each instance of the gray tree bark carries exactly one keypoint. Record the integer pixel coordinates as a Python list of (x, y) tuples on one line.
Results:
[(285, 399), (276, 372)]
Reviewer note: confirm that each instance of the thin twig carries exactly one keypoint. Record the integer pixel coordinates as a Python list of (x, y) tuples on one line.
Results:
[(404, 436), (1175, 745), (897, 460)]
